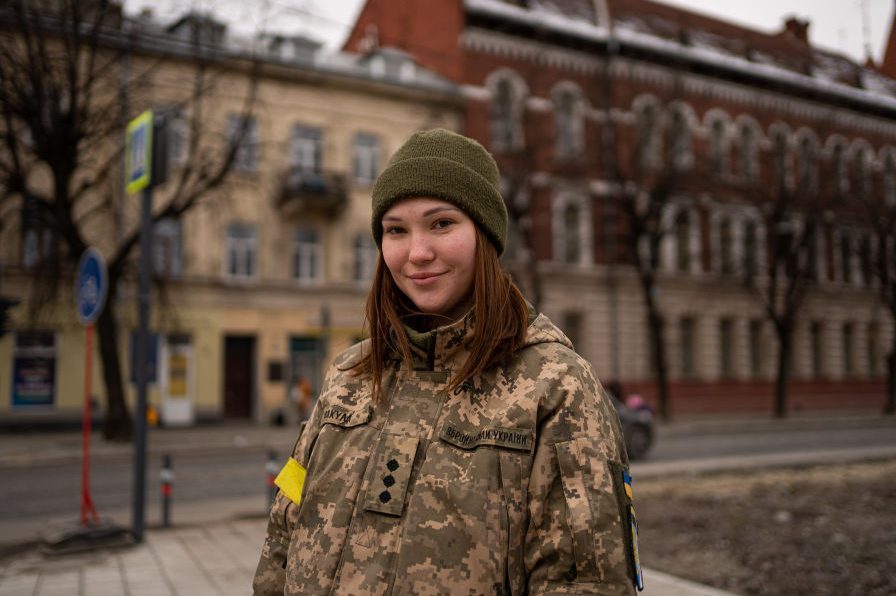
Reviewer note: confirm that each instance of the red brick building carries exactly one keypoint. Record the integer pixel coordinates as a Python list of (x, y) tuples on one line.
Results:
[(750, 159)]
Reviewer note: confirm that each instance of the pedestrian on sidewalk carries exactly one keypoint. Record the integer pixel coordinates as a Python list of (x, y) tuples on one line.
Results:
[(465, 447)]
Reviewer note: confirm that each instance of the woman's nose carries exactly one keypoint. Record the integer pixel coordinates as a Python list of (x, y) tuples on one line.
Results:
[(421, 249)]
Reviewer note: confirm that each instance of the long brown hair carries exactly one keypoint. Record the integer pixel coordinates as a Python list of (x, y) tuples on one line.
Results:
[(500, 311)]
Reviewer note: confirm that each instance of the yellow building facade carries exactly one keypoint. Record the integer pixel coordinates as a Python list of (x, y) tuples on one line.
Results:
[(265, 280)]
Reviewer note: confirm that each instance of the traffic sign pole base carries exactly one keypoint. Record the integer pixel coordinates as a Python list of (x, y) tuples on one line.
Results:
[(76, 538)]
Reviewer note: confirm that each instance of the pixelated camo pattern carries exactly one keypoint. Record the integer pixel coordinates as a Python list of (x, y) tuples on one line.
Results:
[(502, 486)]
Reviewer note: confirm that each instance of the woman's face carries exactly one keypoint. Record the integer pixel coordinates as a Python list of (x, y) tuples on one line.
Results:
[(429, 246)]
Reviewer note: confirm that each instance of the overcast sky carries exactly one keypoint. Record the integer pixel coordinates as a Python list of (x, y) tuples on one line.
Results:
[(842, 25)]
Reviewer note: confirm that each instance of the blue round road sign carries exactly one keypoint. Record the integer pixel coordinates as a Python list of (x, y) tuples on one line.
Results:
[(90, 286)]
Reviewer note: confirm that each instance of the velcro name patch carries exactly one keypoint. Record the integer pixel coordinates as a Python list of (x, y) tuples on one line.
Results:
[(508, 438)]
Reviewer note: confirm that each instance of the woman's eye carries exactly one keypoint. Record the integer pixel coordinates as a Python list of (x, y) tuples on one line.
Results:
[(442, 223), (393, 230)]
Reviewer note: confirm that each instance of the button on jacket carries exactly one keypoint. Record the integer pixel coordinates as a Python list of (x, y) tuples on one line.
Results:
[(510, 484)]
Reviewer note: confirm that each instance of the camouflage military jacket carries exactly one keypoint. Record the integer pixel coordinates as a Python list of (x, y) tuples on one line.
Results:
[(510, 484)]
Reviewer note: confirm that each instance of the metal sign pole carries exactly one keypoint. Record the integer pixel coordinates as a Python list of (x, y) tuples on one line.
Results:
[(142, 353), (87, 509)]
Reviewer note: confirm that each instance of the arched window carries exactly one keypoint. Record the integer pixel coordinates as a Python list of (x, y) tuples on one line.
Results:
[(862, 171), (572, 242), (839, 169), (726, 253), (718, 158), (780, 157), (572, 229), (751, 245), (649, 138), (889, 179), (569, 121), (506, 110), (683, 241), (680, 146), (747, 144), (807, 165)]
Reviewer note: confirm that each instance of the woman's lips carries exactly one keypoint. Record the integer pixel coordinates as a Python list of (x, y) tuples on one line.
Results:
[(424, 279)]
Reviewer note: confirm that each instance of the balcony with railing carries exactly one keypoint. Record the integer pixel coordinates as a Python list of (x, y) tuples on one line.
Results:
[(313, 192)]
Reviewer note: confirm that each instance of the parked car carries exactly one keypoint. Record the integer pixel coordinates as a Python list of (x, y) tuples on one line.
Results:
[(637, 428)]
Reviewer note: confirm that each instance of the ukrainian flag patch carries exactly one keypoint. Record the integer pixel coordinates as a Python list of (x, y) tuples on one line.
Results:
[(291, 479), (633, 523)]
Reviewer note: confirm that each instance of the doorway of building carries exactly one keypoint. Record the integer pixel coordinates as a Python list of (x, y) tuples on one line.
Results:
[(239, 377)]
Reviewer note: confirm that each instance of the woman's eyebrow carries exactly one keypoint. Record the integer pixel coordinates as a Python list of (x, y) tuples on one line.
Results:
[(429, 212)]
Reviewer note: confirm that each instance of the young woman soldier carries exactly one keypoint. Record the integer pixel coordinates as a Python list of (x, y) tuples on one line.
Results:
[(465, 448)]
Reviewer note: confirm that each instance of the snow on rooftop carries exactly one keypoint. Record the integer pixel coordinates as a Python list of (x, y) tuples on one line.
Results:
[(825, 72)]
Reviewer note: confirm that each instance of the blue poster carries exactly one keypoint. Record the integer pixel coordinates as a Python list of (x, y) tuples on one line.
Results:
[(33, 380)]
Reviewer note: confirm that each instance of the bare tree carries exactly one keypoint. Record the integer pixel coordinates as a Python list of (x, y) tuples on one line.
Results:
[(60, 61), (791, 213), (880, 215)]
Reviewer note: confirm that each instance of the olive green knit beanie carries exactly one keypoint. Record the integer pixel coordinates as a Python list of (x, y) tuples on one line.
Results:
[(442, 164)]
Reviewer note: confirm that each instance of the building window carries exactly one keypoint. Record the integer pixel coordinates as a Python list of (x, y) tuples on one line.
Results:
[(726, 247), (746, 156), (846, 267), (817, 346), (889, 180), (506, 113), (365, 158), (807, 168), (866, 260), (751, 246), (244, 132), (726, 348), (780, 157), (242, 250), (306, 150), (717, 148), (817, 255), (682, 241), (649, 139), (755, 348), (572, 243), (572, 326), (681, 148), (365, 257), (178, 137), (306, 256), (572, 232), (167, 249), (839, 170), (849, 366), (687, 327), (862, 172), (38, 240), (569, 123), (871, 346)]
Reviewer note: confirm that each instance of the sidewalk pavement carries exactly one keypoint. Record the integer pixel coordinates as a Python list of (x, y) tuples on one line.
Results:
[(213, 547)]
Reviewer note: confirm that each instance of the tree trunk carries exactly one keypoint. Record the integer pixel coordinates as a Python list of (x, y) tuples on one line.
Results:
[(659, 360), (890, 406), (784, 338), (118, 425)]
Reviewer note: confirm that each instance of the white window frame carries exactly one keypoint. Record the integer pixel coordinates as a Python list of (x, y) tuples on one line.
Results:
[(365, 157), (242, 247), (586, 242), (306, 256)]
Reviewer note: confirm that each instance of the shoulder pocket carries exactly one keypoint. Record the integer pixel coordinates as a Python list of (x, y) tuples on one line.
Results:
[(593, 513)]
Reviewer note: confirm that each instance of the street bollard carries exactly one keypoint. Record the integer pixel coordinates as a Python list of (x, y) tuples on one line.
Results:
[(167, 478), (272, 469)]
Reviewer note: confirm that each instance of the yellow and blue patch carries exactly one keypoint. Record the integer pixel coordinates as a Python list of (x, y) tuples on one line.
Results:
[(636, 560)]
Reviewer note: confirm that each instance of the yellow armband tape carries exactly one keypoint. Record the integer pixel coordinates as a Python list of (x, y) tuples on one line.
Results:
[(291, 479)]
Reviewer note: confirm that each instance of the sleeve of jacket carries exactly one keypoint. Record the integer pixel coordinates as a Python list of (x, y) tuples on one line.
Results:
[(270, 575), (579, 539)]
